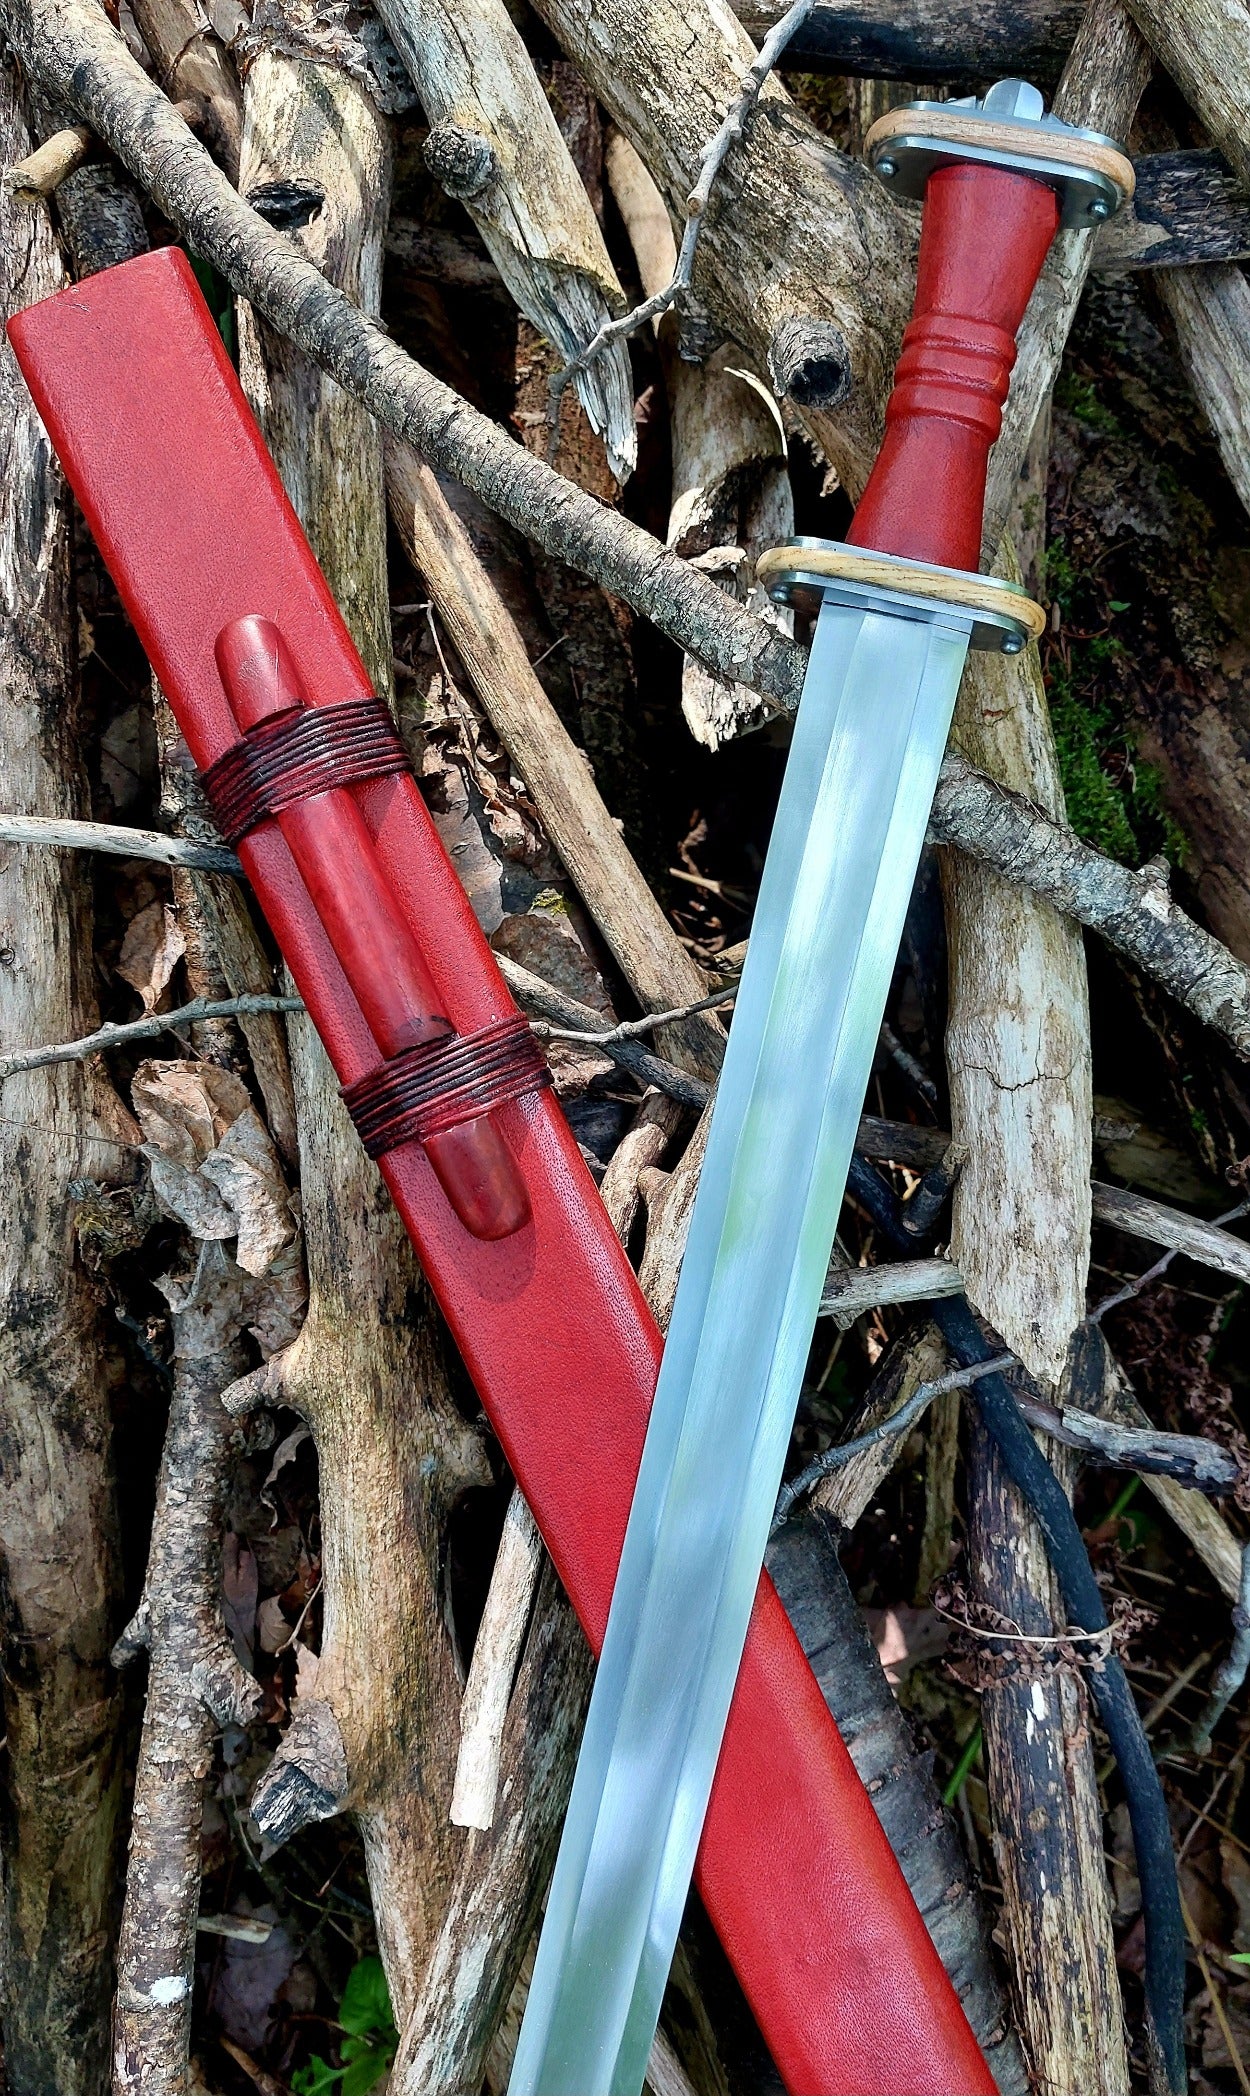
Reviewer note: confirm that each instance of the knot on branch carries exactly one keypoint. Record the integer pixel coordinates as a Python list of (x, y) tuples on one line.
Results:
[(1154, 883), (226, 1689), (307, 1778), (260, 1386), (461, 161), (135, 1638), (809, 363), (287, 205)]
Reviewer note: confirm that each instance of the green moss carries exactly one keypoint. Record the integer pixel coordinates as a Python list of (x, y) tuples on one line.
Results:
[(1114, 797), (1077, 395), (1096, 807)]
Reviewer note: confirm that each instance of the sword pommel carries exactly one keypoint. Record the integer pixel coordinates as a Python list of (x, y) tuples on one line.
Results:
[(997, 178)]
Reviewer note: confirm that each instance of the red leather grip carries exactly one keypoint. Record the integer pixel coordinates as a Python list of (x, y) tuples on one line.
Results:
[(158, 444), (983, 241)]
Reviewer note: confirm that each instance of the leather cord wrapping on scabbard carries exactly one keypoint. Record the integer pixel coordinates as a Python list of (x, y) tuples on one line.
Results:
[(440, 1084), (297, 755)]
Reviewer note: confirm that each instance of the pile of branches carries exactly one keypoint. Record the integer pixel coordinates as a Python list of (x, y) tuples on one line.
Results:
[(552, 326)]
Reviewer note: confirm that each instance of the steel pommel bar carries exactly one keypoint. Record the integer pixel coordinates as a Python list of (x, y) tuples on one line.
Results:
[(162, 452)]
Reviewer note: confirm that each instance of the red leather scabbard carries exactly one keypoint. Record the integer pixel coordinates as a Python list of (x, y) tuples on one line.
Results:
[(163, 454)]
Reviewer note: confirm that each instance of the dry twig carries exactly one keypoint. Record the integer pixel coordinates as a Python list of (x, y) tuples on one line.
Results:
[(890, 1429), (1133, 911), (148, 1029), (1231, 1671), (711, 160), (120, 842)]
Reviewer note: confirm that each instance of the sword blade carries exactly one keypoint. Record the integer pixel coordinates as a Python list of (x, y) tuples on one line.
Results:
[(868, 741)]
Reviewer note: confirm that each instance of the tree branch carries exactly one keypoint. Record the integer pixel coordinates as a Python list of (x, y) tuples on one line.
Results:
[(121, 843), (148, 1029), (889, 1429), (195, 1685), (1131, 910), (1231, 1671)]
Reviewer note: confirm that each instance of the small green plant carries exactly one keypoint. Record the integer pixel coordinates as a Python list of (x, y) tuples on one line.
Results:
[(369, 2042), (1077, 395)]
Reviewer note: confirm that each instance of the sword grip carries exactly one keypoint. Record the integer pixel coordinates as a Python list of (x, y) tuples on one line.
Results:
[(339, 867), (983, 240)]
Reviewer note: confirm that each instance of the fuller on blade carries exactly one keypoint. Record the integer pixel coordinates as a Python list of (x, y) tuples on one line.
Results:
[(891, 637)]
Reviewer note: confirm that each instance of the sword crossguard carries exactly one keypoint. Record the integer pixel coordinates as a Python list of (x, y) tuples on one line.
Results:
[(1001, 616), (997, 178)]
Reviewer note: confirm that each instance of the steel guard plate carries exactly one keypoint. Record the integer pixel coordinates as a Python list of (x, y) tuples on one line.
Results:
[(161, 450)]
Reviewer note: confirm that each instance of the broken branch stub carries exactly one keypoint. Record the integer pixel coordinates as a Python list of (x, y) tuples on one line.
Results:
[(800, 256), (495, 146)]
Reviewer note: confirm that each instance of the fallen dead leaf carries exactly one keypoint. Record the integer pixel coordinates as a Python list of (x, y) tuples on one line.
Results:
[(184, 1108), (214, 1165), (905, 1637), (151, 950), (246, 1170), (276, 1303), (272, 1629)]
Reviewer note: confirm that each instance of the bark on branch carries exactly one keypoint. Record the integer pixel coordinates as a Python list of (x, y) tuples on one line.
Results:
[(195, 1685), (60, 1570), (1131, 910), (374, 1731)]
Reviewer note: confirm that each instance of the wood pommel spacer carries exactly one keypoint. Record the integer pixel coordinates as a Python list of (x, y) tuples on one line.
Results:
[(807, 571), (1008, 130)]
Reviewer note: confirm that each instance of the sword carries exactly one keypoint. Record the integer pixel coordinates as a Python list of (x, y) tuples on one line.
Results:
[(897, 609)]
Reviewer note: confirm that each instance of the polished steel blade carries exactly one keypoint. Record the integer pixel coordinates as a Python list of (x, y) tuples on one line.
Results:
[(860, 778)]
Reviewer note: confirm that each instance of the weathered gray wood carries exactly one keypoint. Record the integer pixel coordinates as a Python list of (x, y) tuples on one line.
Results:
[(957, 44), (1044, 1800), (1205, 45), (495, 146), (72, 48), (795, 232), (1187, 1458), (850, 1290), (194, 1686), (654, 962), (1188, 208), (495, 1897), (60, 1575), (1131, 908), (730, 494), (451, 259), (1102, 83), (1210, 310), (196, 72), (1022, 1108)]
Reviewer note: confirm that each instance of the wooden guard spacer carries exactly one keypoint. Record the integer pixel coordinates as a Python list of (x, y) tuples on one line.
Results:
[(986, 597), (955, 128)]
